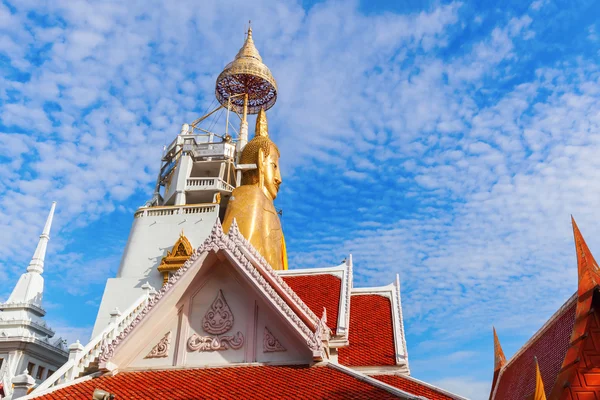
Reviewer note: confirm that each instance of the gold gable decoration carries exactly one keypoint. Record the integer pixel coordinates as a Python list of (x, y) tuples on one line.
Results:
[(179, 254)]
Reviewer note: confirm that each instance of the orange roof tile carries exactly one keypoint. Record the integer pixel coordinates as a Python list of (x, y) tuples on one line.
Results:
[(318, 291), (248, 382), (371, 333)]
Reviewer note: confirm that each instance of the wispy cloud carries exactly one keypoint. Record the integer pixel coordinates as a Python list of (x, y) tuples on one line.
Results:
[(448, 145)]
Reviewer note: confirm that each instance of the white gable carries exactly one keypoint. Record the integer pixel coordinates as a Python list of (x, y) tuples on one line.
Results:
[(223, 307)]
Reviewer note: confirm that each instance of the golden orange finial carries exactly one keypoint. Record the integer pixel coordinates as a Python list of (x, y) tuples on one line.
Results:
[(499, 357), (499, 361), (539, 393), (587, 267)]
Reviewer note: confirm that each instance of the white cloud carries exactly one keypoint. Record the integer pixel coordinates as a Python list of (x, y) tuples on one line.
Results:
[(467, 387), (379, 111)]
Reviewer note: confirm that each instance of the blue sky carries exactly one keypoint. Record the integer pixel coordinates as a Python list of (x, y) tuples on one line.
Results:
[(448, 142)]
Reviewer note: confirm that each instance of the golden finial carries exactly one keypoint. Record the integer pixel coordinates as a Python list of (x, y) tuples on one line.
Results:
[(262, 127)]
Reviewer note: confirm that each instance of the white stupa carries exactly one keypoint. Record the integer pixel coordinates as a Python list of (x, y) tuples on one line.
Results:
[(26, 342)]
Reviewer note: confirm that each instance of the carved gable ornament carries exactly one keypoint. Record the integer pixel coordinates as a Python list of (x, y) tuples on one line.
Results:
[(179, 254), (270, 342), (161, 349), (217, 320)]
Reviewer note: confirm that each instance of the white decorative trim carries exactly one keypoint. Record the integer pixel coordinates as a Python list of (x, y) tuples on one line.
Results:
[(241, 252), (374, 382), (270, 343), (336, 271), (216, 343), (161, 349), (399, 337), (385, 291), (432, 387), (343, 322), (218, 318)]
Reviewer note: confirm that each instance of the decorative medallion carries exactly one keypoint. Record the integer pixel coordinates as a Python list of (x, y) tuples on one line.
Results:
[(161, 349), (270, 343), (219, 318)]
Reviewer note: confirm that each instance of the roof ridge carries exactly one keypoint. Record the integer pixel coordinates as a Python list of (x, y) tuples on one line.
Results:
[(312, 271), (373, 381), (543, 329), (429, 385)]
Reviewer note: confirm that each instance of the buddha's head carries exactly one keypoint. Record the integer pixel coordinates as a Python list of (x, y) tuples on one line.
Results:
[(265, 154)]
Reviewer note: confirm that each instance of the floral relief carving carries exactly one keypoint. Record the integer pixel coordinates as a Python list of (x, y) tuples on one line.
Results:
[(161, 349), (215, 343), (270, 342), (219, 318)]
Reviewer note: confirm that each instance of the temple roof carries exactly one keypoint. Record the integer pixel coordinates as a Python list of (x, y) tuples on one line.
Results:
[(247, 382), (549, 345), (565, 347), (371, 333), (318, 291)]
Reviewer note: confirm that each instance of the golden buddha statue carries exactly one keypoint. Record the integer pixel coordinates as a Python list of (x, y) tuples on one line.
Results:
[(251, 204)]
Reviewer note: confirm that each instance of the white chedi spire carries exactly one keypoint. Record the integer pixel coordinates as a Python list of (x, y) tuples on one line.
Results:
[(37, 261), (30, 287)]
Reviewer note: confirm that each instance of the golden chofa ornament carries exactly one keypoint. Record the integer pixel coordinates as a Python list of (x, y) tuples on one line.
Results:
[(246, 85), (251, 204)]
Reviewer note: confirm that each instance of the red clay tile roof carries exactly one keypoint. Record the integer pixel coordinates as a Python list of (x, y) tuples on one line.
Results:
[(318, 291), (413, 386), (249, 382), (549, 345), (371, 334)]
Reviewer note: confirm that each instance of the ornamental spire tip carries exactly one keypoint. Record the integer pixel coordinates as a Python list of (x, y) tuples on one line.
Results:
[(587, 267)]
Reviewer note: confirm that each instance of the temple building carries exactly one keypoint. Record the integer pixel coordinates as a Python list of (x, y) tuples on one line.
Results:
[(561, 361), (27, 343), (204, 305)]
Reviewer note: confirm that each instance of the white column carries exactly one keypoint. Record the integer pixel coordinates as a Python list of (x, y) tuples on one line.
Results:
[(183, 172)]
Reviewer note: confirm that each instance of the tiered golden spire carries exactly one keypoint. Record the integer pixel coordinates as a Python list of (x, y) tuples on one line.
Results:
[(249, 49), (246, 84)]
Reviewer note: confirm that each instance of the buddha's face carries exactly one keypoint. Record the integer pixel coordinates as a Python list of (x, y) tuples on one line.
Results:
[(271, 174)]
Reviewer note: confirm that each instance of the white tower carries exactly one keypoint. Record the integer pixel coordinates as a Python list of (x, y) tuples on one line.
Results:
[(25, 339), (195, 181), (197, 175)]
